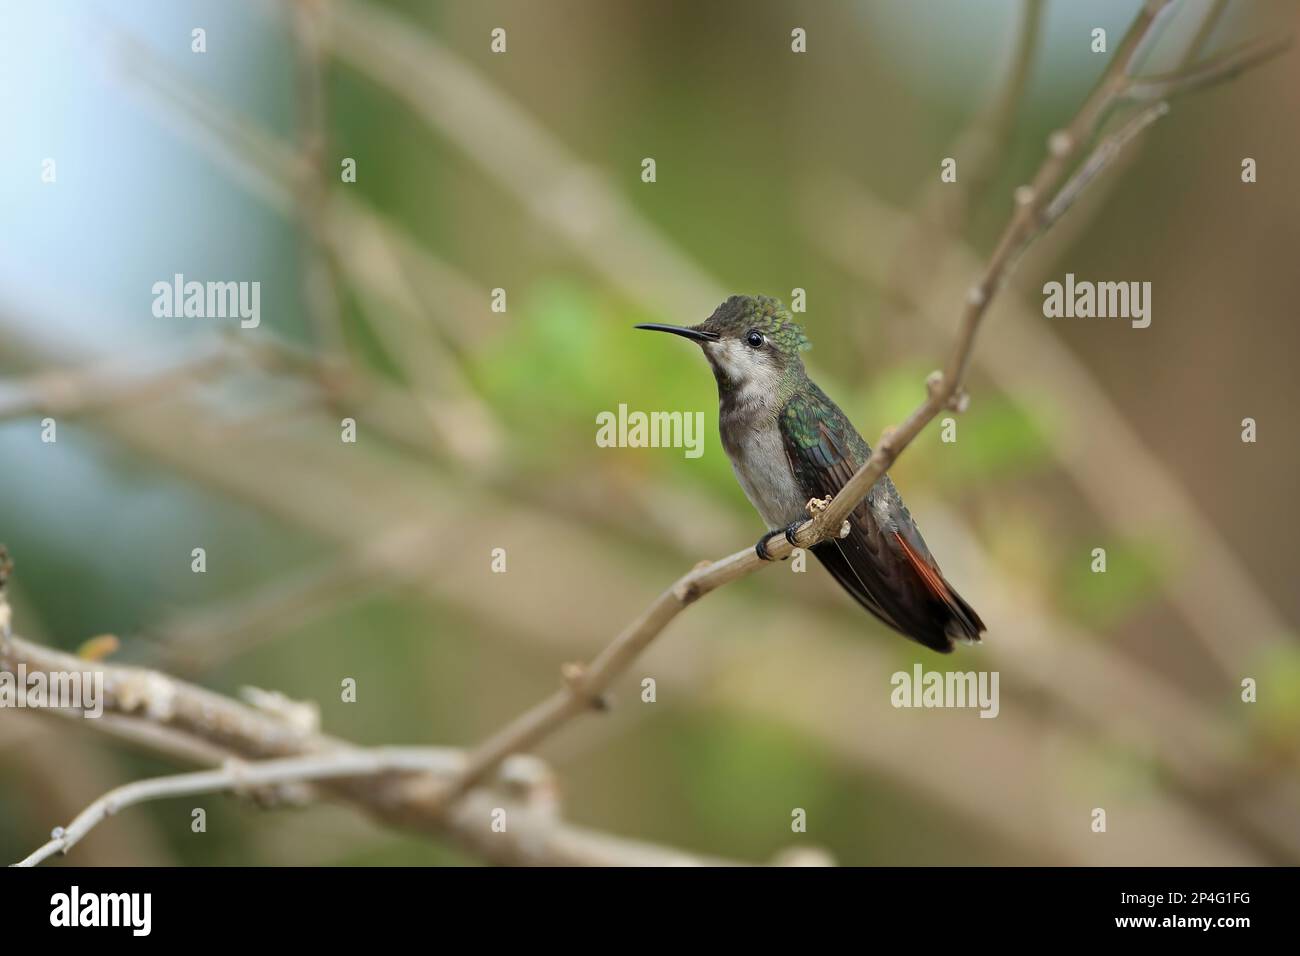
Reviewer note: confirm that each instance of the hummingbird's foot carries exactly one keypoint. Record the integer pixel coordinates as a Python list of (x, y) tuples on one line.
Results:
[(789, 532), (761, 548)]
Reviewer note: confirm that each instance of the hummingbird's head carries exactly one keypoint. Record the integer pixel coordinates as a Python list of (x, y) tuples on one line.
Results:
[(751, 342)]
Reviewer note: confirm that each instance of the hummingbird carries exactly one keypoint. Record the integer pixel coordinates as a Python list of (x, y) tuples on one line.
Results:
[(789, 443)]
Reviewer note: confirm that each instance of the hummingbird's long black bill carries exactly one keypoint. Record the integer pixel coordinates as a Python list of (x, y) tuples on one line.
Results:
[(684, 331)]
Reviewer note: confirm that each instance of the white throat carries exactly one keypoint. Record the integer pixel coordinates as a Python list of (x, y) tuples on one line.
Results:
[(755, 375)]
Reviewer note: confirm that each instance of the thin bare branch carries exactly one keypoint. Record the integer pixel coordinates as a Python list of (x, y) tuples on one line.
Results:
[(1217, 69), (236, 776), (1209, 23), (1101, 157), (1131, 56), (109, 384), (322, 285), (259, 749)]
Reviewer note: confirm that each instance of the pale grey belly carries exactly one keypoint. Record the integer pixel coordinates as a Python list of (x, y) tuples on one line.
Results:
[(763, 471)]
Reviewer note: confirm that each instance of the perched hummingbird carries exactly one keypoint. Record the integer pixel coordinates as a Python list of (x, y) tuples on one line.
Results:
[(788, 443)]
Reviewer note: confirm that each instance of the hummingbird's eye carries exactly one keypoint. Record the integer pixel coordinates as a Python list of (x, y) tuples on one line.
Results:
[(754, 338)]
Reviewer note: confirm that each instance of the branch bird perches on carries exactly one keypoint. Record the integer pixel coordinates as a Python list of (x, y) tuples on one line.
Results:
[(1038, 205)]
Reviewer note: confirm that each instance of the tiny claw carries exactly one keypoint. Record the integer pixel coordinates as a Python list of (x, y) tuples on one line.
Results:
[(761, 548)]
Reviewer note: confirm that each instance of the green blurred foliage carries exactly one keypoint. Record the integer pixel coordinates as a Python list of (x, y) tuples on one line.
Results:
[(1275, 715), (1101, 599)]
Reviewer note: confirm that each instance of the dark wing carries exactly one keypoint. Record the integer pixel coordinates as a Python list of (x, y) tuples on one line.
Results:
[(883, 562)]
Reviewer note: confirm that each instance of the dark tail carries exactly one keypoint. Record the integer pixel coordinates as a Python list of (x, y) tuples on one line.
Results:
[(910, 595)]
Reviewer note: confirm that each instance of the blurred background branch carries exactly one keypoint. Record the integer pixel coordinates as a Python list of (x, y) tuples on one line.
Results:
[(515, 821)]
